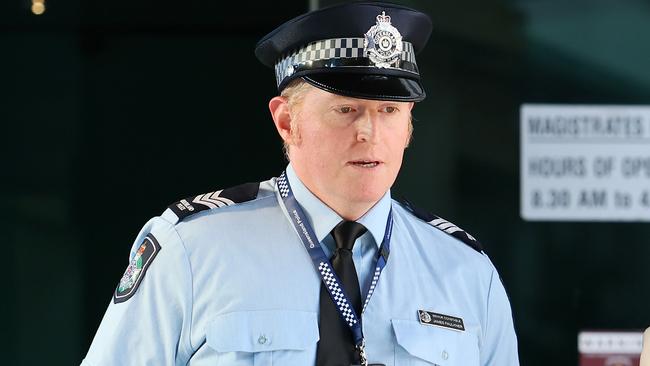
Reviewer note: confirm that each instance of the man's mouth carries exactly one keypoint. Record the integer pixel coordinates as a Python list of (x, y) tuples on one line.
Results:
[(365, 163)]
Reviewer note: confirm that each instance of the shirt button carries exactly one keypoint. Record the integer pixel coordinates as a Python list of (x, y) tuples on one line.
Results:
[(262, 339), (445, 355)]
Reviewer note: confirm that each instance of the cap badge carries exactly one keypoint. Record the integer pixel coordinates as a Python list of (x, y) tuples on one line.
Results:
[(383, 42)]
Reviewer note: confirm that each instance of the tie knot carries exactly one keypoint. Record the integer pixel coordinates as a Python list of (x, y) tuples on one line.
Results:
[(346, 232)]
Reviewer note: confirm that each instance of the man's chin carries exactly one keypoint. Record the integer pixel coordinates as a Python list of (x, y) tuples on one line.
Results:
[(366, 197)]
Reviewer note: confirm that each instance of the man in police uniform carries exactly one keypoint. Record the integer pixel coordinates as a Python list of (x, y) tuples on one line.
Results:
[(318, 266)]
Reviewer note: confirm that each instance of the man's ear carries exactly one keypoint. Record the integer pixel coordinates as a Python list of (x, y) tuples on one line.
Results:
[(279, 108), (410, 132)]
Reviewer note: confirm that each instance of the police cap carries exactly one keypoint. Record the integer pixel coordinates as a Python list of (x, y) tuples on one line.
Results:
[(363, 50)]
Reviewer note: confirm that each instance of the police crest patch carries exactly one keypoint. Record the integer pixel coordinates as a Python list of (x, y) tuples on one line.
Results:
[(134, 273)]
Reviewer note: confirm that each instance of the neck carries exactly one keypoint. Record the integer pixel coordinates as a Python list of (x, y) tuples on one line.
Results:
[(344, 205), (347, 210)]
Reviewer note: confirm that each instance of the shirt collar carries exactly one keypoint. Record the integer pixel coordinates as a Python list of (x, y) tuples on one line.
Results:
[(323, 219)]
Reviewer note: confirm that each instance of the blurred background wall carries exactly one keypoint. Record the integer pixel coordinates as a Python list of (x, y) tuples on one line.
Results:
[(111, 110)]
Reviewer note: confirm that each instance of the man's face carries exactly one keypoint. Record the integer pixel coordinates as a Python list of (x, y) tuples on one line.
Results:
[(348, 150)]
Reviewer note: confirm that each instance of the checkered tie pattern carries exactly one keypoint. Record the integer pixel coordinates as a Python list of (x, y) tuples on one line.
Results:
[(337, 294), (283, 185), (330, 49)]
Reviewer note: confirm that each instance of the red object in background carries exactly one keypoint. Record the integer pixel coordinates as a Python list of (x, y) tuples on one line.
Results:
[(610, 348)]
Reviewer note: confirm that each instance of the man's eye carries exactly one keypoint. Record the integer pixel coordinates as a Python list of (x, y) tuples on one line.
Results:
[(345, 109), (390, 109)]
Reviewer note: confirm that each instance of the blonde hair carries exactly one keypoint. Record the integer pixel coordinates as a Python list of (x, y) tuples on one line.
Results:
[(295, 93)]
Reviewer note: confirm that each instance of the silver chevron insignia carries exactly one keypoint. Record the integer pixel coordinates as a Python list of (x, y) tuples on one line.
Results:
[(212, 200), (448, 227)]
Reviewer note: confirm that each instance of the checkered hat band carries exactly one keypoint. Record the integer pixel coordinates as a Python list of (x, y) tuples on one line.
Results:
[(328, 49)]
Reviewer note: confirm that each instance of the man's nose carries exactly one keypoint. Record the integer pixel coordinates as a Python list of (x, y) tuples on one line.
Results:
[(366, 128)]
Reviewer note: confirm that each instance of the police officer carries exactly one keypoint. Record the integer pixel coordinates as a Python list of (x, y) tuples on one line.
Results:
[(318, 266)]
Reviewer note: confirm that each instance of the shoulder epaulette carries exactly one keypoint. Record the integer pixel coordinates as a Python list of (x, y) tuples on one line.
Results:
[(211, 200), (444, 225)]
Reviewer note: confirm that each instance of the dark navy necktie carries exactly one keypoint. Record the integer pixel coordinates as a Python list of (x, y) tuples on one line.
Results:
[(336, 346)]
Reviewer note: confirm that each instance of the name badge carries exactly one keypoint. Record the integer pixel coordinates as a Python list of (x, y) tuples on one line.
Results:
[(441, 320)]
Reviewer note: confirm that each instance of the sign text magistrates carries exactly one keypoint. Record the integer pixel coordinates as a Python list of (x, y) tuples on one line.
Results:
[(585, 163)]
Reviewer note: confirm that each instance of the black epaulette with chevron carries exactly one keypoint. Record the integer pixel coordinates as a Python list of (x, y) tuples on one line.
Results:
[(225, 197), (444, 225)]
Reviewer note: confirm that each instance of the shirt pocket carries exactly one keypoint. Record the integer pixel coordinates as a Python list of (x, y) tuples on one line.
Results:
[(280, 337), (422, 345)]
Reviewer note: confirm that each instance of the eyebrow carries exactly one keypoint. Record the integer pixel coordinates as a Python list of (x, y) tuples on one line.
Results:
[(341, 99)]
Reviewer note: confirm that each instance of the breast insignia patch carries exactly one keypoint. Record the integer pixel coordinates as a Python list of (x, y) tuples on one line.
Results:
[(444, 225), (137, 268), (225, 197)]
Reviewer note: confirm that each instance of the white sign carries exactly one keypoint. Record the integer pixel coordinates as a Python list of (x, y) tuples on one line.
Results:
[(585, 163), (604, 342)]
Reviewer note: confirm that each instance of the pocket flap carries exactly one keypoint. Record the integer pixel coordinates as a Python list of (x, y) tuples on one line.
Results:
[(257, 331), (436, 345)]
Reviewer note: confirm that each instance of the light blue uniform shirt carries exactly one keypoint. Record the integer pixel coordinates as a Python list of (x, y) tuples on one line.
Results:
[(235, 286)]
